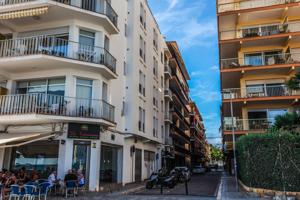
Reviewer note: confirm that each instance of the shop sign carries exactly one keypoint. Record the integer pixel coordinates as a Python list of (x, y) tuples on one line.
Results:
[(84, 131)]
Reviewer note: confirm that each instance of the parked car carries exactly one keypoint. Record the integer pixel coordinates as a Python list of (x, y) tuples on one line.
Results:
[(199, 170)]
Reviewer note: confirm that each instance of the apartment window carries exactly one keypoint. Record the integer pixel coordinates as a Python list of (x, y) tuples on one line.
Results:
[(142, 16), (264, 58), (104, 92), (155, 39), (162, 58), (142, 119), (124, 69), (155, 96), (155, 127), (162, 82), (123, 108), (86, 39), (268, 89), (142, 83), (155, 67), (54, 86), (162, 106), (84, 88), (126, 30), (142, 49)]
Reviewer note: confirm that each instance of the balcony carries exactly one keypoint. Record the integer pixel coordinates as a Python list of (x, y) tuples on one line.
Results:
[(280, 59), (260, 31), (23, 54), (70, 7), (45, 108), (250, 4), (168, 117), (168, 72), (168, 94), (255, 125), (261, 92)]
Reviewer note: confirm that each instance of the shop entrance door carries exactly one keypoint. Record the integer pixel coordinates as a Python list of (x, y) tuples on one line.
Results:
[(138, 165), (81, 158)]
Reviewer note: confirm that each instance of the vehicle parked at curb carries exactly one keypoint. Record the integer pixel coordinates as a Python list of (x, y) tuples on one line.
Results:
[(183, 174), (199, 170)]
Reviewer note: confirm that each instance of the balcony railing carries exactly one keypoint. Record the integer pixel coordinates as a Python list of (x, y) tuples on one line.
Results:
[(259, 92), (50, 45), (263, 60), (168, 116), (259, 31), (47, 104), (168, 92), (91, 5), (248, 4), (249, 125)]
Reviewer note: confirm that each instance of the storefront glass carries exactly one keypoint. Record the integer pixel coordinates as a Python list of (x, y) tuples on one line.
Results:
[(109, 164), (41, 157)]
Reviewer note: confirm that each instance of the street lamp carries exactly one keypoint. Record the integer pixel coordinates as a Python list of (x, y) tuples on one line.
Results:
[(233, 142)]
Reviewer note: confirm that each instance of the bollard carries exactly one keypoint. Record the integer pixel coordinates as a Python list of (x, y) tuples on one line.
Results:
[(161, 189), (186, 188)]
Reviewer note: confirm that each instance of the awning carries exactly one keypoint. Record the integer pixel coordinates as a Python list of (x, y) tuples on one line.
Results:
[(19, 139)]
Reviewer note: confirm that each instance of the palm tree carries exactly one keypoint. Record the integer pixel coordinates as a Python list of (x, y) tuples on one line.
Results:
[(294, 82)]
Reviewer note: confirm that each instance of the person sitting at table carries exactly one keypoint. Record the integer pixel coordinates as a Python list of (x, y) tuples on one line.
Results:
[(70, 176), (80, 178), (34, 176)]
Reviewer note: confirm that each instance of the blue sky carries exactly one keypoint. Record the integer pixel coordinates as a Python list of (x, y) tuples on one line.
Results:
[(193, 24)]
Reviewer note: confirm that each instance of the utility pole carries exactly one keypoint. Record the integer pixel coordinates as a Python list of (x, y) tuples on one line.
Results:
[(233, 142)]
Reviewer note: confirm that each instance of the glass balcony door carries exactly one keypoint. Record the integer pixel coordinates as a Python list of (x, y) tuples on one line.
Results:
[(81, 158), (84, 89)]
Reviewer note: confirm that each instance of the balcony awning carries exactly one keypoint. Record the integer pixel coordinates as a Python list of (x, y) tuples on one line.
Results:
[(19, 139)]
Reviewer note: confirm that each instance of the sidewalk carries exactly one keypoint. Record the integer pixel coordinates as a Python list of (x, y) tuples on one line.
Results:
[(228, 191)]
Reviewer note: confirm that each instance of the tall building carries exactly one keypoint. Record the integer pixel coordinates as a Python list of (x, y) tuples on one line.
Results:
[(177, 111), (259, 52), (81, 88), (198, 137)]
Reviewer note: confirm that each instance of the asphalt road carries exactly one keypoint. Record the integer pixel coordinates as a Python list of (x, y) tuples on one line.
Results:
[(200, 185)]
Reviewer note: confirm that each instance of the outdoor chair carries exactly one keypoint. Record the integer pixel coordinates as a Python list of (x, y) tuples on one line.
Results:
[(1, 191), (15, 192), (30, 192), (43, 190), (71, 186)]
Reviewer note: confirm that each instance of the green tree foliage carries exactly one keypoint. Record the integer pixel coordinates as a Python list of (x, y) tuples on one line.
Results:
[(270, 161), (294, 83), (289, 122), (216, 153)]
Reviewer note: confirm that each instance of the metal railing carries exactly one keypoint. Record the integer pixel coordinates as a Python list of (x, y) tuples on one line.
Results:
[(168, 69), (168, 116), (263, 60), (249, 125), (248, 4), (96, 6), (258, 92), (53, 46), (48, 104), (168, 93), (260, 30)]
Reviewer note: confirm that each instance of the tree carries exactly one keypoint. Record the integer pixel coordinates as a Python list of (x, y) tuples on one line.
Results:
[(294, 82), (289, 122), (216, 153)]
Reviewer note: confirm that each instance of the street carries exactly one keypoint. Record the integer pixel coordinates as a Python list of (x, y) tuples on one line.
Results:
[(204, 187)]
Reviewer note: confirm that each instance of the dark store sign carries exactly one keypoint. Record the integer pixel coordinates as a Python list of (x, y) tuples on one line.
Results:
[(84, 131)]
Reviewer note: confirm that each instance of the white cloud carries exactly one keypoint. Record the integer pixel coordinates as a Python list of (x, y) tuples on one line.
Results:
[(197, 73), (214, 68), (183, 21)]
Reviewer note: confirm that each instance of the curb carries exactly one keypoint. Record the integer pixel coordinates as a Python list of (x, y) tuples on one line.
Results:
[(126, 192)]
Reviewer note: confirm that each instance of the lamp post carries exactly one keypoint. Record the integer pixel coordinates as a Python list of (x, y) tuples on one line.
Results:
[(233, 142)]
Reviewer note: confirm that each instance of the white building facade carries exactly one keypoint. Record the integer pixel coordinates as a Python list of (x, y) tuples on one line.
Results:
[(81, 88)]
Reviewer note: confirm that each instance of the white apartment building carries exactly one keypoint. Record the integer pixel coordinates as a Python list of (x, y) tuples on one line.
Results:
[(81, 88)]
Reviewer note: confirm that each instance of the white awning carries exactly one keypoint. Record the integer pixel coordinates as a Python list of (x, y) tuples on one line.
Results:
[(20, 139)]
